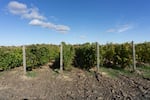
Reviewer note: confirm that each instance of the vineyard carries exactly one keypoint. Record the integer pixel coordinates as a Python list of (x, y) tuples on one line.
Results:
[(82, 56), (80, 79)]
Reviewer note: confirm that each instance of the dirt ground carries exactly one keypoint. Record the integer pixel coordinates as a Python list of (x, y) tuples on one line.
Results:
[(74, 85)]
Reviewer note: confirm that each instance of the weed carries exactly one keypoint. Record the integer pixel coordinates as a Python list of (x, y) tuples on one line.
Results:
[(31, 74)]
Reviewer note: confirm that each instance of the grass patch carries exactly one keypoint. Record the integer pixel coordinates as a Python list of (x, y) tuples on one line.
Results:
[(114, 73), (145, 71), (31, 74), (1, 73), (90, 73), (110, 72), (146, 75)]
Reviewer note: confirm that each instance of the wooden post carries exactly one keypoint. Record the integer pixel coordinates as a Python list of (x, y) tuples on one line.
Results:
[(24, 59), (134, 59), (97, 56), (61, 57)]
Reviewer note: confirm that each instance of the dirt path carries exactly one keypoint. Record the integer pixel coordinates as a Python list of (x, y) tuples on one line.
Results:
[(74, 85)]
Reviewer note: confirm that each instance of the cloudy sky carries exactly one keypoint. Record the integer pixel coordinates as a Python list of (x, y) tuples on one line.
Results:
[(74, 21)]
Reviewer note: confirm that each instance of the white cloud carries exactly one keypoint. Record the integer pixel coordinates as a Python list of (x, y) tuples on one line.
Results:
[(17, 8), (82, 37), (21, 9), (124, 28), (111, 30), (34, 16), (60, 28), (120, 28)]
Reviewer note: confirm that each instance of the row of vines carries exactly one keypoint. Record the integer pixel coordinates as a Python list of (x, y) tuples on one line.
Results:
[(81, 55), (36, 55)]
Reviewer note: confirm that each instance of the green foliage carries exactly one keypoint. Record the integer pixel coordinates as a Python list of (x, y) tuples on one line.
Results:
[(85, 56), (38, 55), (108, 55), (10, 57), (54, 51), (117, 55), (31, 58), (68, 56), (143, 52), (123, 55)]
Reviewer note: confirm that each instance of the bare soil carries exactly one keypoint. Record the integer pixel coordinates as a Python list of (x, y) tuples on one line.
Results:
[(73, 85)]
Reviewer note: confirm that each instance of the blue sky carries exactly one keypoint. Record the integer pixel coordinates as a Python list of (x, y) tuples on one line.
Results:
[(74, 21)]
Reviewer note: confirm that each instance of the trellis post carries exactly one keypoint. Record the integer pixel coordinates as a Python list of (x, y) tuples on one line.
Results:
[(61, 57), (133, 53), (97, 49), (24, 58)]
